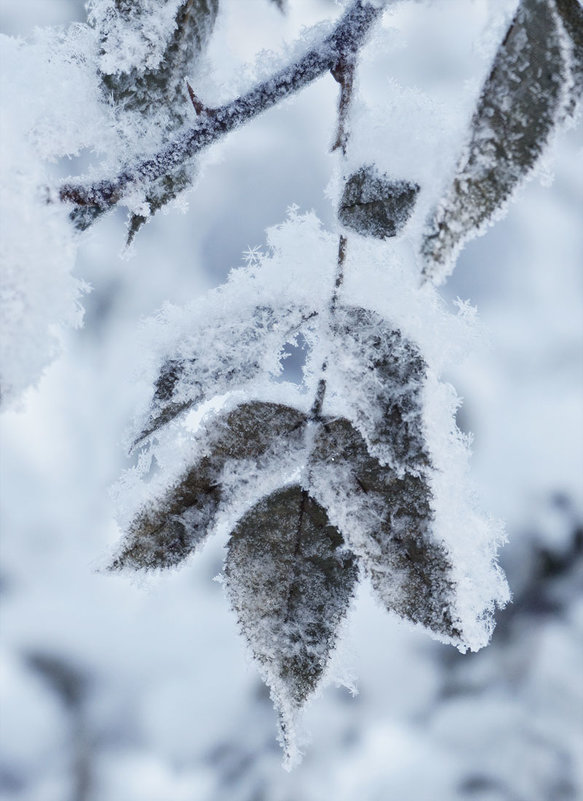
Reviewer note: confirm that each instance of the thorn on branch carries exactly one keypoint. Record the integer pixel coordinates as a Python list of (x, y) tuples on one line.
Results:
[(199, 107)]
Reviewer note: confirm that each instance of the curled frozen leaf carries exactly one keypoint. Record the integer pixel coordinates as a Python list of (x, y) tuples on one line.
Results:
[(169, 528), (376, 205), (290, 581), (523, 99)]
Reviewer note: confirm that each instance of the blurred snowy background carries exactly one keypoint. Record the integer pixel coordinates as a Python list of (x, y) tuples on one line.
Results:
[(115, 689)]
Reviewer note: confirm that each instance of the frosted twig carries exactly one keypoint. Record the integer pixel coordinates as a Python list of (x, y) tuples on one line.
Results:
[(343, 72), (336, 48)]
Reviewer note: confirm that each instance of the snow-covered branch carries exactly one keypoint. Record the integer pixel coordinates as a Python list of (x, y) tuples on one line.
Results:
[(346, 38)]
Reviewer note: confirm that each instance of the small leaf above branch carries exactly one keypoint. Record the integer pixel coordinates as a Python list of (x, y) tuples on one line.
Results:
[(375, 205)]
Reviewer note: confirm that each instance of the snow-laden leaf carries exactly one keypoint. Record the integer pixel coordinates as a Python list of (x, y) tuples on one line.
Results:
[(389, 372), (376, 205), (571, 15), (387, 520), (169, 528), (195, 372), (148, 49), (290, 581), (234, 338), (363, 473), (526, 94)]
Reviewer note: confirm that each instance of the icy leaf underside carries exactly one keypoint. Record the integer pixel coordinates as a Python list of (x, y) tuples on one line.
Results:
[(523, 99), (290, 581)]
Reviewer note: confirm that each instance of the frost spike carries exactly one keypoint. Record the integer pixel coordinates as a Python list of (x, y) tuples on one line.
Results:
[(290, 582), (198, 105)]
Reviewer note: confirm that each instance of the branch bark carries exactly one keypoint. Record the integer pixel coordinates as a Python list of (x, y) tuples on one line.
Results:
[(337, 48)]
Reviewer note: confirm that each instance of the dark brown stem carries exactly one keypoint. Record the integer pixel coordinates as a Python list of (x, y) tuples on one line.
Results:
[(336, 49), (316, 410), (343, 72)]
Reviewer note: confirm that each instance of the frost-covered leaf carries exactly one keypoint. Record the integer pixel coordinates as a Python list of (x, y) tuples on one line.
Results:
[(167, 531), (198, 372), (376, 205), (290, 581), (571, 15), (169, 528), (234, 339), (148, 49), (387, 520), (388, 371), (375, 469), (524, 97)]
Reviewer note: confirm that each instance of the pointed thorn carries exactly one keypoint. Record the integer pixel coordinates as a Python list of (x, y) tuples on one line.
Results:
[(198, 106)]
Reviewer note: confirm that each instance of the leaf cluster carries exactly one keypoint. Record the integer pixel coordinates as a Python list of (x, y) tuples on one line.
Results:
[(335, 510)]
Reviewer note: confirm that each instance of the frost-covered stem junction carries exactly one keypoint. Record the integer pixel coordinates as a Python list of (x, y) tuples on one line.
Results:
[(339, 46)]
